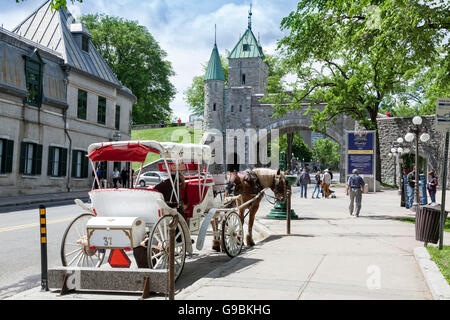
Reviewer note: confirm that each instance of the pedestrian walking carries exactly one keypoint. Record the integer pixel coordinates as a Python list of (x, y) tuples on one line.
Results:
[(326, 184), (124, 177), (317, 185), (115, 176), (304, 179), (411, 178), (355, 187), (432, 187)]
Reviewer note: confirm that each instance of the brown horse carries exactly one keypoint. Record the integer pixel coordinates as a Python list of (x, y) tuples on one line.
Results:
[(249, 184)]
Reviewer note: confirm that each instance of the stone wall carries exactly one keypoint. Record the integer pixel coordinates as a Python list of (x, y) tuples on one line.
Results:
[(390, 129)]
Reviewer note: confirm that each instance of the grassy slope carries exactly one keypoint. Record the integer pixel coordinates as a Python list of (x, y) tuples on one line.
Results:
[(442, 260), (173, 134)]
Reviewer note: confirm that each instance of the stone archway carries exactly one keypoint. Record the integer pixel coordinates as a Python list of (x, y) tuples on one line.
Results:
[(336, 132)]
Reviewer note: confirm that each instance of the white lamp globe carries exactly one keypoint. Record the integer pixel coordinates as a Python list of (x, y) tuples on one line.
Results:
[(400, 150), (407, 150), (400, 140), (409, 137), (390, 155), (424, 137), (417, 120), (393, 150)]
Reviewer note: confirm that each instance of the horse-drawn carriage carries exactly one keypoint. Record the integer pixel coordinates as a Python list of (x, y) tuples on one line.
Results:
[(135, 217)]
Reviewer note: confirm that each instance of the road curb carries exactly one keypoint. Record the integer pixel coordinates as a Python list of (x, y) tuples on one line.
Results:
[(439, 287), (40, 201)]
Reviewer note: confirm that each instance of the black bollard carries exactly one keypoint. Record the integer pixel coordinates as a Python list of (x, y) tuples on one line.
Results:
[(43, 224)]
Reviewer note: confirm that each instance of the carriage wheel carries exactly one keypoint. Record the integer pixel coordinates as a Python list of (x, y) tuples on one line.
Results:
[(232, 234), (75, 250), (158, 248)]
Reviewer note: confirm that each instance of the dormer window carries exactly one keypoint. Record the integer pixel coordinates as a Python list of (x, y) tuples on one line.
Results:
[(80, 35), (33, 78), (245, 47), (85, 43)]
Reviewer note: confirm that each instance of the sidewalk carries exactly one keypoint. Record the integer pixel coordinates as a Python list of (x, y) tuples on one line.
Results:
[(42, 198), (329, 255)]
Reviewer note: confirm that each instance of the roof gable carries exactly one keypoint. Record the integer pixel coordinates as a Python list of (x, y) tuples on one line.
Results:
[(52, 29), (247, 47)]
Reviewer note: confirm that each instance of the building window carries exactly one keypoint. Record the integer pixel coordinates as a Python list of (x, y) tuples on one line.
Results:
[(232, 108), (57, 162), (240, 108), (214, 107), (243, 78), (79, 164), (33, 78), (101, 112), (6, 155), (85, 43), (245, 47), (117, 122), (82, 104), (30, 158)]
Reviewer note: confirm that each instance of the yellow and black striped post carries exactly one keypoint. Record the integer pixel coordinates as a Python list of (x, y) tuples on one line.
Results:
[(43, 224)]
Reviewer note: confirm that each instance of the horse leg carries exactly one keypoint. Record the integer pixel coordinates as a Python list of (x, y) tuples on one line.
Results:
[(215, 227), (251, 219)]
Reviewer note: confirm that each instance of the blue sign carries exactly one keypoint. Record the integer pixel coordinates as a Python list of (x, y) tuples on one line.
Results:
[(360, 152)]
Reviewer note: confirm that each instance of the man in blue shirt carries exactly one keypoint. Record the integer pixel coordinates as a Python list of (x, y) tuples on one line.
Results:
[(355, 187)]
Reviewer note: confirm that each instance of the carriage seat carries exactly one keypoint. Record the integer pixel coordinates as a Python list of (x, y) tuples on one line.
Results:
[(191, 193)]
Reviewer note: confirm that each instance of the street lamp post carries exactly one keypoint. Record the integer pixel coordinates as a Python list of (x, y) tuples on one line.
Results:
[(398, 148), (415, 130)]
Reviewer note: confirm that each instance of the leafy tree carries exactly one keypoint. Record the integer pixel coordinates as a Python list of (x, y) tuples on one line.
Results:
[(354, 55), (420, 97), (139, 63), (326, 152), (195, 93), (299, 147), (56, 4)]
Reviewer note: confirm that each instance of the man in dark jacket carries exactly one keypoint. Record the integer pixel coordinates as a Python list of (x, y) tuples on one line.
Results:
[(304, 179)]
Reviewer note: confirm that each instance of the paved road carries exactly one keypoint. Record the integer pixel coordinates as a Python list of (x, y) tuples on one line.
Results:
[(20, 238)]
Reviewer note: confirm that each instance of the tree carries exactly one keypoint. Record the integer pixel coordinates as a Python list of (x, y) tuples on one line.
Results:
[(195, 93), (354, 55), (326, 152), (299, 148), (56, 4), (139, 63)]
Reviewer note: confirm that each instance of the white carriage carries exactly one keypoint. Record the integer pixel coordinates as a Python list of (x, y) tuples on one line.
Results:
[(123, 218)]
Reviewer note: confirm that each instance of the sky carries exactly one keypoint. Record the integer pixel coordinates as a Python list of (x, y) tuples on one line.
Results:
[(183, 28)]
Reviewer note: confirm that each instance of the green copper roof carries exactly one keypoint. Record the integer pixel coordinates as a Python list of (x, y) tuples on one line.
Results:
[(247, 47), (214, 70)]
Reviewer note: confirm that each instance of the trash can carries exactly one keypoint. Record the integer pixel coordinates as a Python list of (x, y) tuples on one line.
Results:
[(428, 220)]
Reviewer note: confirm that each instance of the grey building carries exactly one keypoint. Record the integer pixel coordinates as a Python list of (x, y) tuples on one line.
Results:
[(57, 96), (237, 106)]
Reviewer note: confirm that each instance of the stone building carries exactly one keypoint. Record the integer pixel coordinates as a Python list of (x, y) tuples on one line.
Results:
[(431, 153), (57, 96), (237, 106)]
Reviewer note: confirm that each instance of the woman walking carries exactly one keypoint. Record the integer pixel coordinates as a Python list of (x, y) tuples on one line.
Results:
[(317, 185), (432, 187)]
